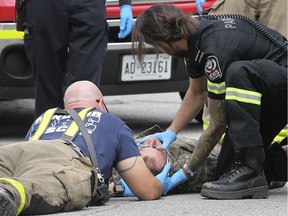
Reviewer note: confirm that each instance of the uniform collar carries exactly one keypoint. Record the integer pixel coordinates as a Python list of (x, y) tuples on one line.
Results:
[(192, 45)]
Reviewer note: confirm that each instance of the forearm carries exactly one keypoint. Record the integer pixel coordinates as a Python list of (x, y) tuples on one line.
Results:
[(185, 115), (206, 143), (191, 105), (211, 135), (138, 180), (154, 192)]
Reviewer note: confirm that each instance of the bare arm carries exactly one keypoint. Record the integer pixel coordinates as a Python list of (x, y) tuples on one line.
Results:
[(140, 180), (211, 135), (192, 103)]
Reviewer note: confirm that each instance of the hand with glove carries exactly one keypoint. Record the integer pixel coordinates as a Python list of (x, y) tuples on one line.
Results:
[(169, 183), (126, 21), (199, 6), (164, 178), (166, 137), (176, 179)]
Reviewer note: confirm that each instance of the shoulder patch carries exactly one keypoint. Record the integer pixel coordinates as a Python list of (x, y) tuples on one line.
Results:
[(212, 68)]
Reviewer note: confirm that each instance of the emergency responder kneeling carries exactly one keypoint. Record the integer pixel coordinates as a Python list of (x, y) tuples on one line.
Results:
[(242, 65)]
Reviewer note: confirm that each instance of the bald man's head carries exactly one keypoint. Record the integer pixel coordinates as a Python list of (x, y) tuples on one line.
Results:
[(82, 94)]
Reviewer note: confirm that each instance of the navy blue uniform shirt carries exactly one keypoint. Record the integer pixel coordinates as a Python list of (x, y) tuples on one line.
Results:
[(112, 138)]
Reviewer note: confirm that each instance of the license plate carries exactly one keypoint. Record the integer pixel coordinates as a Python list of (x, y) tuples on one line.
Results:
[(153, 69)]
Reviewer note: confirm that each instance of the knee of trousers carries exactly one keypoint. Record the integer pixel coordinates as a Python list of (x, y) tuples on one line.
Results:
[(239, 73)]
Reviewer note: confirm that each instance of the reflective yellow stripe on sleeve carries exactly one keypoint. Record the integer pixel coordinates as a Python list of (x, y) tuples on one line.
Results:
[(242, 95), (20, 190), (11, 34), (46, 118), (282, 135), (73, 128), (216, 88)]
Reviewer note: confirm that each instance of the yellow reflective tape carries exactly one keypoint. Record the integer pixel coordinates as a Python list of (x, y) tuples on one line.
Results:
[(242, 95), (11, 34), (20, 190), (46, 118), (216, 88), (283, 134), (243, 91), (73, 128), (243, 100), (205, 124)]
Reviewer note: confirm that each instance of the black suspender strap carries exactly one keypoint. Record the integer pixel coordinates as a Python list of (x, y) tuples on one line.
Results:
[(74, 115), (102, 194)]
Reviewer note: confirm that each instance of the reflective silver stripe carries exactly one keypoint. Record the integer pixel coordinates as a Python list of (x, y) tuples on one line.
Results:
[(244, 96), (216, 88)]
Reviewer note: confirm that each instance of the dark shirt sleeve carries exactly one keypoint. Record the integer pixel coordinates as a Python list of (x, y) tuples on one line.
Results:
[(126, 143)]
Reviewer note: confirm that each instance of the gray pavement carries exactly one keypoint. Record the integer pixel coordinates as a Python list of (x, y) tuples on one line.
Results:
[(141, 112), (191, 204)]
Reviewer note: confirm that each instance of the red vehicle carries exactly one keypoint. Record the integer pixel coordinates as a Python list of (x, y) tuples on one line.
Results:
[(120, 73)]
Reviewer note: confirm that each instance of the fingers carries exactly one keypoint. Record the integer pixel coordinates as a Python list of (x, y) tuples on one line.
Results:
[(165, 144), (167, 168), (143, 140), (125, 30)]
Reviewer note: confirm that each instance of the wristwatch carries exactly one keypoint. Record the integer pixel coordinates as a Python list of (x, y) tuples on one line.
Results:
[(118, 188)]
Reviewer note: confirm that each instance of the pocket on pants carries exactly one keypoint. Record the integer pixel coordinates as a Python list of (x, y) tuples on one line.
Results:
[(76, 179)]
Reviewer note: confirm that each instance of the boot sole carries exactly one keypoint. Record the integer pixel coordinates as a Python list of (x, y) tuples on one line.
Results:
[(255, 193), (7, 206)]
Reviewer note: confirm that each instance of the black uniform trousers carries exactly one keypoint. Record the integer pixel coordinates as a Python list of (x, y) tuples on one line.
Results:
[(251, 125), (64, 36)]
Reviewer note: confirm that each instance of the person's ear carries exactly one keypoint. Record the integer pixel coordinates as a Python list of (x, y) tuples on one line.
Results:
[(100, 105)]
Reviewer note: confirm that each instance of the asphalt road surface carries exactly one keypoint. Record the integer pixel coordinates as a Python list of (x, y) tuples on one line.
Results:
[(141, 112)]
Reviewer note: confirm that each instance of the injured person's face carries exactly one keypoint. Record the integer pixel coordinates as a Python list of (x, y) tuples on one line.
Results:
[(153, 155)]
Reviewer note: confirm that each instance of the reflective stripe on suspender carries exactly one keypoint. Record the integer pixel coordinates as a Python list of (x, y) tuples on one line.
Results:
[(73, 129), (69, 134), (47, 116)]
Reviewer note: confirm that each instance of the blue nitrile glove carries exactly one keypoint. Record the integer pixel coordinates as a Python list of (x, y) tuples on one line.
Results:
[(199, 7), (164, 178), (126, 21), (166, 137), (127, 192), (176, 179)]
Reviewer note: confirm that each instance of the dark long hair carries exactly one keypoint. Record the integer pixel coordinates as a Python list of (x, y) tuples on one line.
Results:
[(161, 22)]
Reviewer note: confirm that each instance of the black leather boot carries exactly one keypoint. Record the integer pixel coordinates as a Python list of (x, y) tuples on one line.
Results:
[(242, 181), (7, 205)]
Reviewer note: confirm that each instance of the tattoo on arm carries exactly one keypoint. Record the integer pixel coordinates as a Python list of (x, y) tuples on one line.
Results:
[(210, 137), (129, 168)]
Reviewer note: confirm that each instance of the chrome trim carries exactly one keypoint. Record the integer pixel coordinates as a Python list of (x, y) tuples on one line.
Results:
[(115, 22), (7, 26), (123, 46)]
